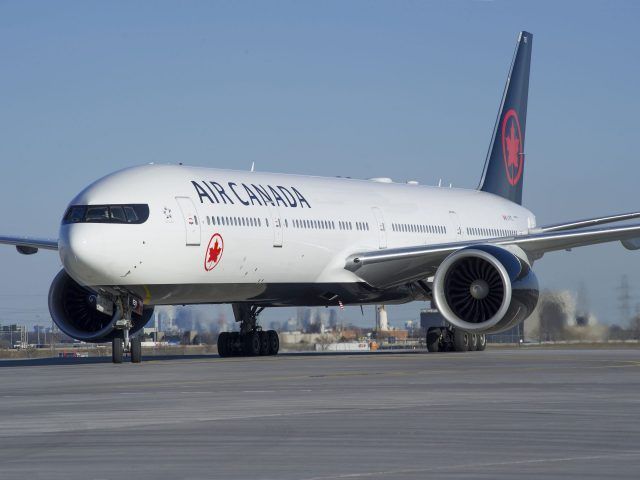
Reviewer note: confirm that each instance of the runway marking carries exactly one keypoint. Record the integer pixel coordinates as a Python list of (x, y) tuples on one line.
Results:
[(532, 461)]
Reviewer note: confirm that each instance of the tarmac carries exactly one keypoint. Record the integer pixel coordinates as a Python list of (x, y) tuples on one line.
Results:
[(498, 414)]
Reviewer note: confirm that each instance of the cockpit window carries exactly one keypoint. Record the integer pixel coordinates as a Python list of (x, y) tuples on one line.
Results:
[(97, 214), (117, 214), (136, 214), (75, 214), (132, 217)]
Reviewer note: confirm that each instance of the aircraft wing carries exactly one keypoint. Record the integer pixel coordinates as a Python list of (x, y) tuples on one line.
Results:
[(395, 266), (589, 222), (29, 245)]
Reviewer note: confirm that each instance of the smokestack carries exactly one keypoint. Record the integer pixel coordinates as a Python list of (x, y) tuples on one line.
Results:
[(383, 321)]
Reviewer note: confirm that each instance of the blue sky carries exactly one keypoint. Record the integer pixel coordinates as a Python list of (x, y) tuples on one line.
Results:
[(406, 89)]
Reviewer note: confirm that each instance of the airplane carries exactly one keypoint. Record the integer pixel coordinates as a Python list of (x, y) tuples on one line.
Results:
[(173, 235)]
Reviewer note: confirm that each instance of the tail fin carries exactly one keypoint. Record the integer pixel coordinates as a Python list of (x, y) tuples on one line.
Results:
[(504, 167)]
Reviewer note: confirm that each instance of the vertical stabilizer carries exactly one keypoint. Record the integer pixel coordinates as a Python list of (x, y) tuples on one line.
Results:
[(504, 167)]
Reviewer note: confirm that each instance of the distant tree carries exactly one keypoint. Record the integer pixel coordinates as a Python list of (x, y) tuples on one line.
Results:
[(634, 327), (324, 341), (616, 332), (553, 319)]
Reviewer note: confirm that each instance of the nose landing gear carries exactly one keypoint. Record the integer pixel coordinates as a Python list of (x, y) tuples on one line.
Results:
[(122, 342)]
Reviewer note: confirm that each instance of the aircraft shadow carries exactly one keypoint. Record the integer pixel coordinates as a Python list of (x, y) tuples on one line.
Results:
[(35, 362)]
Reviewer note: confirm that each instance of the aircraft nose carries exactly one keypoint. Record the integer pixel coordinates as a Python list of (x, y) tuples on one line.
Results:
[(82, 254)]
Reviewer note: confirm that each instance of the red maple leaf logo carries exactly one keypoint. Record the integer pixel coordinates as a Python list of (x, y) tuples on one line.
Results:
[(214, 253), (513, 149)]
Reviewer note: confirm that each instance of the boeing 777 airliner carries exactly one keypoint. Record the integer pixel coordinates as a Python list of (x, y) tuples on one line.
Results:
[(172, 234)]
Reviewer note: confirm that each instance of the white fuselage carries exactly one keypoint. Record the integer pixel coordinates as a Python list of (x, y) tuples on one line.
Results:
[(262, 251)]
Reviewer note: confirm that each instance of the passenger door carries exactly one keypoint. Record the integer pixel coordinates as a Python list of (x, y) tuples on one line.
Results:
[(456, 227), (276, 225), (191, 220), (381, 227)]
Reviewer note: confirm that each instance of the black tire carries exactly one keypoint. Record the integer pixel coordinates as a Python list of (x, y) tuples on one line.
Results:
[(473, 342), (251, 344), (117, 350), (482, 342), (264, 343), (274, 342), (136, 350), (433, 340), (235, 346), (223, 344), (460, 340)]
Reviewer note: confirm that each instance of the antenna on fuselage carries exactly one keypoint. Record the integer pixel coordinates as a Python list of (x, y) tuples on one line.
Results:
[(253, 166)]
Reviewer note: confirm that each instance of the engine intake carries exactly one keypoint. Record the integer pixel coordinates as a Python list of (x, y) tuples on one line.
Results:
[(485, 289), (73, 309)]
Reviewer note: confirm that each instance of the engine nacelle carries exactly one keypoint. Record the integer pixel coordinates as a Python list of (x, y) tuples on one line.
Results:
[(485, 289), (73, 308)]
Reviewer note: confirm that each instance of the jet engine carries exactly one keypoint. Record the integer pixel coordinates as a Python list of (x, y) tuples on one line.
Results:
[(75, 310), (485, 289)]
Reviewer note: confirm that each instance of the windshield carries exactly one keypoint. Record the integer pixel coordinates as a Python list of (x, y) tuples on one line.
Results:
[(136, 214)]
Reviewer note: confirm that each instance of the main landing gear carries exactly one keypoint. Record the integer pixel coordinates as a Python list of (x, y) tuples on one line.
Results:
[(451, 339), (122, 342), (251, 340)]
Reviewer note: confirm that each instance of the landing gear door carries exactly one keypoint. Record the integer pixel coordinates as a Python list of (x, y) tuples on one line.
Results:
[(381, 227), (276, 225), (191, 220)]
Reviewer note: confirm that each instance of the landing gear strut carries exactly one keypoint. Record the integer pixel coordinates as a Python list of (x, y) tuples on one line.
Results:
[(251, 340), (451, 339), (122, 342)]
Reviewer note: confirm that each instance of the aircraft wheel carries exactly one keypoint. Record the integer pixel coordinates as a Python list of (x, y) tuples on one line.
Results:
[(136, 350), (235, 345), (482, 342), (117, 350), (274, 342), (223, 344), (433, 340), (460, 340), (473, 342), (251, 344), (264, 343)]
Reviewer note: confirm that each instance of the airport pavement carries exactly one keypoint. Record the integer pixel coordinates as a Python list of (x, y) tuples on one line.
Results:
[(499, 414)]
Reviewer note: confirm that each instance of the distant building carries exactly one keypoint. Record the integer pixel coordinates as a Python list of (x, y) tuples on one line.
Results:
[(513, 335), (431, 317)]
